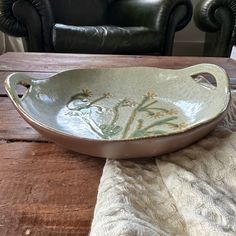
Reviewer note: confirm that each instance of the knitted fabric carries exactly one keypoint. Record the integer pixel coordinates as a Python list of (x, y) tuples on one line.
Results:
[(188, 192)]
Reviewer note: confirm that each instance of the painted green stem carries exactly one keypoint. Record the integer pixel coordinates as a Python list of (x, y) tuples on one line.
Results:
[(132, 117), (116, 116), (96, 100), (93, 128), (158, 109), (144, 131), (160, 122), (148, 105)]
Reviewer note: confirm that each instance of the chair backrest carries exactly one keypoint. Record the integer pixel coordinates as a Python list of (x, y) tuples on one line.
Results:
[(80, 12)]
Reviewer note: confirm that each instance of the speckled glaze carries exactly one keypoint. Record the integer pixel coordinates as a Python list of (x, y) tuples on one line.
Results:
[(123, 112)]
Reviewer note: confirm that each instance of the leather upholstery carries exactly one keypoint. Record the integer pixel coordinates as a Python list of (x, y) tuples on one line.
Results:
[(35, 39), (218, 19), (12, 13), (150, 13), (155, 21), (8, 23), (166, 16), (105, 39), (81, 12)]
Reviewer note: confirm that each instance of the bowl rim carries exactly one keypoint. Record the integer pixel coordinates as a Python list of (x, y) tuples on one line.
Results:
[(27, 116)]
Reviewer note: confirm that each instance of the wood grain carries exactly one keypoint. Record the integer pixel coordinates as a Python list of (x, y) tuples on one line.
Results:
[(51, 62), (46, 190), (13, 127)]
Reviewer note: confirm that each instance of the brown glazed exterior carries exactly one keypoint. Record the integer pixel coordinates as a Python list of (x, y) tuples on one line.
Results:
[(126, 149)]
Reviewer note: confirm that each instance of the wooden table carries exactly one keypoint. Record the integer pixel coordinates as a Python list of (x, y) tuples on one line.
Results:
[(45, 189)]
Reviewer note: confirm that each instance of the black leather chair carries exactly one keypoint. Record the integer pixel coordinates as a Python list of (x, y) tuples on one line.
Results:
[(96, 26), (218, 19)]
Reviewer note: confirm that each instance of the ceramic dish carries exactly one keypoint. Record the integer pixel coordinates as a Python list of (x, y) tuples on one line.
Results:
[(123, 112)]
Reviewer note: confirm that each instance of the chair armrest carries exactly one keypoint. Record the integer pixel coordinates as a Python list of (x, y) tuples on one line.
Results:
[(149, 13), (165, 16), (32, 19), (8, 23), (219, 17)]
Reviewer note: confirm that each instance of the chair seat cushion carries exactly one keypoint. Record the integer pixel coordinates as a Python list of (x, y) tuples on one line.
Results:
[(105, 39)]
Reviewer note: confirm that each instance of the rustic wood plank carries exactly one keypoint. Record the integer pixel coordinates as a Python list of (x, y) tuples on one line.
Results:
[(12, 125), (51, 62), (46, 190), (38, 75)]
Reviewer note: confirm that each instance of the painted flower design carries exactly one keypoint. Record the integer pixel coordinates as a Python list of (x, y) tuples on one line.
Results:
[(150, 94), (160, 118), (182, 126), (86, 93), (155, 115), (179, 126), (171, 112), (128, 103), (107, 95), (158, 115)]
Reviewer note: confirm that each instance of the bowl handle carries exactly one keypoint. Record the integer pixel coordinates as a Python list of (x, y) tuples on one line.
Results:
[(222, 80), (11, 83)]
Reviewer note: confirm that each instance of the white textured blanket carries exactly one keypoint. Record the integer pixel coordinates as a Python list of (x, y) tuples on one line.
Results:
[(189, 192)]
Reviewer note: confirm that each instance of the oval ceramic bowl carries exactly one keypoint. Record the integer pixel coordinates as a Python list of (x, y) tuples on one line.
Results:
[(123, 112)]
